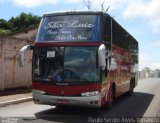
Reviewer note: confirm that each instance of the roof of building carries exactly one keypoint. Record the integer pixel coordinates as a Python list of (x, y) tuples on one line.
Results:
[(24, 30)]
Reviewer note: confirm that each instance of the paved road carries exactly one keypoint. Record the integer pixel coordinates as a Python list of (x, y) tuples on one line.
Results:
[(145, 102)]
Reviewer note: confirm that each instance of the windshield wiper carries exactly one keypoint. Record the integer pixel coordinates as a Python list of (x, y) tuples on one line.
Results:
[(42, 79)]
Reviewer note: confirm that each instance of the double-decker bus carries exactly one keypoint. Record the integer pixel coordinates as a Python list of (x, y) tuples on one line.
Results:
[(81, 58)]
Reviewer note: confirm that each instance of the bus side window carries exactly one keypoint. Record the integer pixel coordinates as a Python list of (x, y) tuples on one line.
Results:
[(107, 29), (120, 36)]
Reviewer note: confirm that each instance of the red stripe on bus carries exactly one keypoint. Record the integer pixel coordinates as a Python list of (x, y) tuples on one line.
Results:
[(67, 43), (62, 90)]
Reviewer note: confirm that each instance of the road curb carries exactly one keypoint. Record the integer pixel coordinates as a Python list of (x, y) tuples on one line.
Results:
[(2, 104)]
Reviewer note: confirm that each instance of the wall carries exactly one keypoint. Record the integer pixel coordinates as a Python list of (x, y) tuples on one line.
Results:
[(27, 34), (11, 75)]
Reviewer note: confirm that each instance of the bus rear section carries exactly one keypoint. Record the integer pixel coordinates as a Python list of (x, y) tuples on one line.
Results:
[(76, 63)]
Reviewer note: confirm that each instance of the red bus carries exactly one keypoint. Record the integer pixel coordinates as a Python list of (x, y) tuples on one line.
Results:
[(82, 58)]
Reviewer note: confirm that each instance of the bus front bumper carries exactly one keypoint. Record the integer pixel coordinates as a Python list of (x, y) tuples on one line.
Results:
[(90, 101)]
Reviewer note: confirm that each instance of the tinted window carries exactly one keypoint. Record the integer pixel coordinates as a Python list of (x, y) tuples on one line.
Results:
[(82, 62), (107, 29), (66, 65), (70, 28)]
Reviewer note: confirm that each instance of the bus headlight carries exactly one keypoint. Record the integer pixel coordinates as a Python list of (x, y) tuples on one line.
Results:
[(39, 92), (87, 94)]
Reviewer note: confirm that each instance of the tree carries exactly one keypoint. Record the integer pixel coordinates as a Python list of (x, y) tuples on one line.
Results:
[(4, 27), (87, 3), (103, 8), (4, 24), (23, 21), (18, 23), (4, 32)]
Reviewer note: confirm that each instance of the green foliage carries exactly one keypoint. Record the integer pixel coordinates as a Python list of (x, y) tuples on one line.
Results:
[(3, 24), (18, 23), (4, 32)]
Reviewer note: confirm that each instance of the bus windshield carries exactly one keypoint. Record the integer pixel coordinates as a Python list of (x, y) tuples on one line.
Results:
[(70, 28), (66, 65)]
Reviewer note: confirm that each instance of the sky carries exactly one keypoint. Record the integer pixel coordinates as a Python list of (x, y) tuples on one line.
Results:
[(141, 18)]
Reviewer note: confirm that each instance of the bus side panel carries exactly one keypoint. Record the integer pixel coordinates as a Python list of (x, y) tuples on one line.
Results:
[(120, 69)]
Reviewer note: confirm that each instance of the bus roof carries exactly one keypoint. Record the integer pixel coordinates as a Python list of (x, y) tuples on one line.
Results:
[(73, 12), (84, 12)]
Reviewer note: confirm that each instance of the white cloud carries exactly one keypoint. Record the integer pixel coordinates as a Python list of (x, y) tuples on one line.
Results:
[(147, 9), (72, 1), (118, 4), (155, 66), (135, 9), (33, 3), (156, 44), (114, 4), (147, 60), (2, 1)]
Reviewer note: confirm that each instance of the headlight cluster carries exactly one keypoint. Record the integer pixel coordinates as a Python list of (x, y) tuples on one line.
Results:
[(39, 92), (87, 94)]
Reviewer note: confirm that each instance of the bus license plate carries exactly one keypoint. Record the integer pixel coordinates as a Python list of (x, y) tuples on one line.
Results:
[(63, 102)]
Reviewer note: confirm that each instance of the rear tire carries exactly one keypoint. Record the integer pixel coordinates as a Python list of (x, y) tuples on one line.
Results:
[(131, 88), (113, 98)]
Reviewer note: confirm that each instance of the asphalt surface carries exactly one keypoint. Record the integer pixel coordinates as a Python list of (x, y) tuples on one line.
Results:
[(142, 106)]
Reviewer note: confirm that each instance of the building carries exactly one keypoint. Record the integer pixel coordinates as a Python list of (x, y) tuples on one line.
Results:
[(11, 75), (26, 34), (145, 73), (155, 73), (148, 73)]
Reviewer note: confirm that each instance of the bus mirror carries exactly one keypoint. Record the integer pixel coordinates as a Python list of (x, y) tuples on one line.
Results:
[(102, 56), (22, 54)]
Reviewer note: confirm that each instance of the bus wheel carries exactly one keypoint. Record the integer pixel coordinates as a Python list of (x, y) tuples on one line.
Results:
[(112, 99), (60, 107), (131, 88)]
